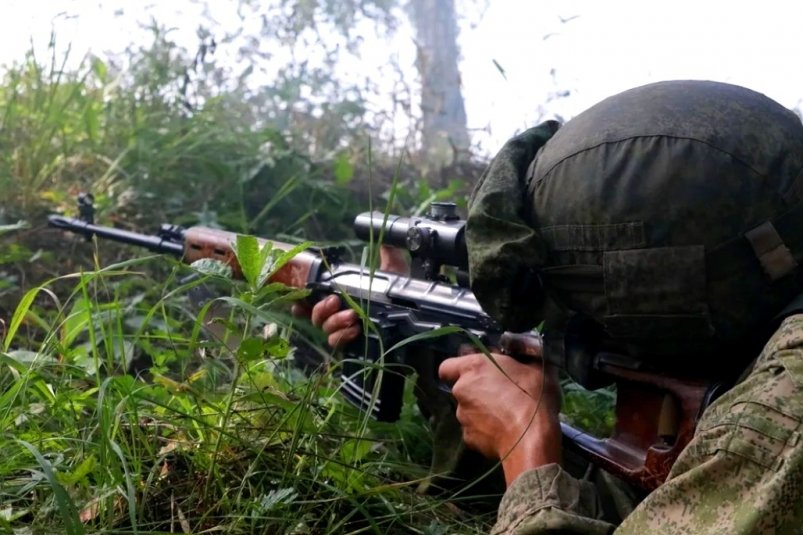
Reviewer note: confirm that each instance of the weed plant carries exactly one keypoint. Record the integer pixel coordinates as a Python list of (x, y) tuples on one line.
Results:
[(216, 433), (128, 406), (124, 405)]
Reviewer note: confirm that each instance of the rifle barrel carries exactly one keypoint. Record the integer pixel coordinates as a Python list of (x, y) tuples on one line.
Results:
[(155, 243)]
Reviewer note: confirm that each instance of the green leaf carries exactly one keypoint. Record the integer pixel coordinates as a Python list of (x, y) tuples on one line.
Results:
[(276, 499), (344, 171), (210, 266), (19, 314), (246, 248), (28, 358), (76, 322), (355, 450), (265, 264), (92, 122), (267, 398), (271, 288), (8, 400), (251, 349), (277, 347), (279, 261), (19, 225), (434, 333), (99, 68), (256, 347), (290, 296), (80, 472), (130, 491), (66, 507)]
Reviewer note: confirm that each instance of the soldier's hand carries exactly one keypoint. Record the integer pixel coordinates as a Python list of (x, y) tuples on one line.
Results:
[(392, 260), (508, 410), (342, 325)]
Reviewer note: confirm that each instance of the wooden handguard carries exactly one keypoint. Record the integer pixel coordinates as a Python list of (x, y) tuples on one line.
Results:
[(204, 242), (655, 419)]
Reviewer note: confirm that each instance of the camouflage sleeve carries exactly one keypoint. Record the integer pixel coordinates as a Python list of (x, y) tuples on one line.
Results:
[(549, 500), (743, 471)]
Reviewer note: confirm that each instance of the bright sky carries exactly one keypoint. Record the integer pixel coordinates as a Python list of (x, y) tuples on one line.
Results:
[(610, 46), (618, 44)]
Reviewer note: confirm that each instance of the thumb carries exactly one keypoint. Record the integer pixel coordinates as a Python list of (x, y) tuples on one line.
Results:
[(450, 369)]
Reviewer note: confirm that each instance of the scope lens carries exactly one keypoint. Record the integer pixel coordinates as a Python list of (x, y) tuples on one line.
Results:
[(416, 239)]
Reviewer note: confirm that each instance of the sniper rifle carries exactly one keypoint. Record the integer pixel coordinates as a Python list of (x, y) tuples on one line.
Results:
[(656, 413)]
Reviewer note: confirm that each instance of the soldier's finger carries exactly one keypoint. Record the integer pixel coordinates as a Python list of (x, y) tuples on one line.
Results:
[(323, 309), (450, 369), (466, 349), (344, 336), (300, 310), (344, 319)]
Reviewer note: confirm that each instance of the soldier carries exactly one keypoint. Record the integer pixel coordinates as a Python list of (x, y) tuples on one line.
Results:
[(668, 217)]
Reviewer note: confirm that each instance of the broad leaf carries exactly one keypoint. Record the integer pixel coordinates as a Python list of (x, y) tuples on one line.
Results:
[(246, 248), (209, 266), (344, 171), (251, 349)]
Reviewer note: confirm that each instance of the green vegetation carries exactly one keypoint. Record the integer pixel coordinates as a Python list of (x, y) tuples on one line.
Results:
[(129, 404), (133, 400), (215, 434)]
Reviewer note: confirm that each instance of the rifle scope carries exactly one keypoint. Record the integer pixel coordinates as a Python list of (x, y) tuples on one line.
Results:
[(438, 238)]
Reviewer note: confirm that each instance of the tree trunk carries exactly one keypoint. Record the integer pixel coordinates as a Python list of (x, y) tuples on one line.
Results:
[(444, 132)]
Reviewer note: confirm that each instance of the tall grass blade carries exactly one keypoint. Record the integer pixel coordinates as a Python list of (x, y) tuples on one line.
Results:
[(131, 495), (19, 315), (66, 507)]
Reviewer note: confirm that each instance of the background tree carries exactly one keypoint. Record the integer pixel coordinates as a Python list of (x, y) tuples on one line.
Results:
[(444, 134)]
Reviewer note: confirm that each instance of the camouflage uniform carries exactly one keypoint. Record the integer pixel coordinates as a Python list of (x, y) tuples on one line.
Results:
[(671, 218), (742, 473)]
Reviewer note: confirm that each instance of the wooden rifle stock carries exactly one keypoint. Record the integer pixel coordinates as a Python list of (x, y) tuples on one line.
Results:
[(655, 416)]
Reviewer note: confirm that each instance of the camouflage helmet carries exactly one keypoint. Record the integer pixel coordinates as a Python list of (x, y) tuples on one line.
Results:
[(669, 214)]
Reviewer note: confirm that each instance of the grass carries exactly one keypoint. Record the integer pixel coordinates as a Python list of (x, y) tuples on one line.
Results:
[(135, 401), (210, 437), (119, 411)]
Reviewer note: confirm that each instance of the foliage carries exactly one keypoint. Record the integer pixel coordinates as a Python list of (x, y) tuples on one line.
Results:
[(163, 135), (119, 411), (590, 411), (127, 403), (137, 136), (214, 433), (155, 140)]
